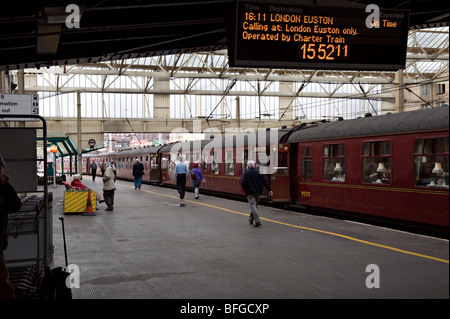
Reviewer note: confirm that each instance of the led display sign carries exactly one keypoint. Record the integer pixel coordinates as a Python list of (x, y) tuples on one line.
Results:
[(318, 37)]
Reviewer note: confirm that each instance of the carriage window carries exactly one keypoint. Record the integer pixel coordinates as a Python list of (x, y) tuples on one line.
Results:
[(170, 163), (376, 162), (244, 160), (205, 161), (282, 168), (263, 159), (154, 161), (334, 162), (214, 163), (307, 163), (431, 162), (229, 163), (164, 161)]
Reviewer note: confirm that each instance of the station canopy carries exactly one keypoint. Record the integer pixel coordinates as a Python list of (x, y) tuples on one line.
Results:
[(35, 34), (65, 145)]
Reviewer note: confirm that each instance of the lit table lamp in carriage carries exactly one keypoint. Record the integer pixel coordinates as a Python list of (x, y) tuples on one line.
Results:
[(438, 170), (382, 170), (338, 169)]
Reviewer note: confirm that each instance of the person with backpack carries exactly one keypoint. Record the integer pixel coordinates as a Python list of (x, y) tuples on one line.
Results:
[(197, 178)]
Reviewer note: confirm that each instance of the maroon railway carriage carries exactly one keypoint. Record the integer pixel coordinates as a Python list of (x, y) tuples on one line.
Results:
[(224, 159), (148, 156), (394, 166), (88, 159), (124, 160)]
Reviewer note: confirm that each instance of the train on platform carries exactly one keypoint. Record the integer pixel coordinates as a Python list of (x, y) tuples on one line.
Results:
[(392, 167)]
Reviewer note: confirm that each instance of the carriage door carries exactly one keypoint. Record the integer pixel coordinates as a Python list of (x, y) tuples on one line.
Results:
[(154, 168), (279, 179)]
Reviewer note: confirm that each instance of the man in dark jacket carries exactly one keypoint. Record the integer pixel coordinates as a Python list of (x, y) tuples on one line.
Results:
[(138, 171), (9, 203), (252, 182), (93, 168)]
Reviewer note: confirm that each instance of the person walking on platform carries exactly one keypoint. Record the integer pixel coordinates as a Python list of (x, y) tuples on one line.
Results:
[(93, 168), (102, 168), (181, 171), (197, 178), (138, 171), (252, 183), (109, 186), (9, 203)]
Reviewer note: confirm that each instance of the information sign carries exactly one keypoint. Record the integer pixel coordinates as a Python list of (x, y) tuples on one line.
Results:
[(19, 104), (318, 37)]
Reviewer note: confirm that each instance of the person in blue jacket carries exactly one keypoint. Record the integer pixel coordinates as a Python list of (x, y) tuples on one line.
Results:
[(252, 183), (197, 178)]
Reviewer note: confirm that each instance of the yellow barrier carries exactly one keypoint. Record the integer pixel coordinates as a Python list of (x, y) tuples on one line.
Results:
[(75, 201)]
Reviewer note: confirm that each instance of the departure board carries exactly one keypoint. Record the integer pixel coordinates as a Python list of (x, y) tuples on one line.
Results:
[(318, 37)]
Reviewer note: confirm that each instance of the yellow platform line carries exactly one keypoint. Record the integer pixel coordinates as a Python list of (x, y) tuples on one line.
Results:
[(308, 228)]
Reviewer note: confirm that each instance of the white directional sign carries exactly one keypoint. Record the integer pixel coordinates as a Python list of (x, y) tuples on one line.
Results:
[(19, 104)]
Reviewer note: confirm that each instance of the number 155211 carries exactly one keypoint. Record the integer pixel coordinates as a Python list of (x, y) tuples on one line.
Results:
[(322, 51)]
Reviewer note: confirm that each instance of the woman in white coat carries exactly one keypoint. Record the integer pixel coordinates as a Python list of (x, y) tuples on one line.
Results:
[(109, 186)]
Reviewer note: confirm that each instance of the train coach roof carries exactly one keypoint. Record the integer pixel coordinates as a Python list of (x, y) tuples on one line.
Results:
[(394, 123), (103, 154), (138, 151), (226, 141)]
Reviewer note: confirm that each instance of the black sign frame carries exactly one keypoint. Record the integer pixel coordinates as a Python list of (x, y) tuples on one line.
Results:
[(328, 38)]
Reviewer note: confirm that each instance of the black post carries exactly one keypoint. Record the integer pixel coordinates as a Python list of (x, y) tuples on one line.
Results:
[(64, 237)]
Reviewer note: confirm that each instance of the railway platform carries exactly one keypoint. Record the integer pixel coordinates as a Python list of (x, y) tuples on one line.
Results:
[(154, 245)]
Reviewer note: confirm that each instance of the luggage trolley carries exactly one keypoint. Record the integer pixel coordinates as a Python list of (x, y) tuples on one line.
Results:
[(29, 230)]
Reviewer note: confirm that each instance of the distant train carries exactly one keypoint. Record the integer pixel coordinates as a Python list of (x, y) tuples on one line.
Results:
[(393, 167)]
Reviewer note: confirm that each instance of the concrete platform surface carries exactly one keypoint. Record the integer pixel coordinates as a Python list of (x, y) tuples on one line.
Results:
[(156, 246)]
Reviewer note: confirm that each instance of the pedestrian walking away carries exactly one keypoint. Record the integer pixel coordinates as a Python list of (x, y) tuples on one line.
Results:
[(197, 179), (181, 171), (93, 168), (9, 203), (252, 183), (138, 171), (109, 186)]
